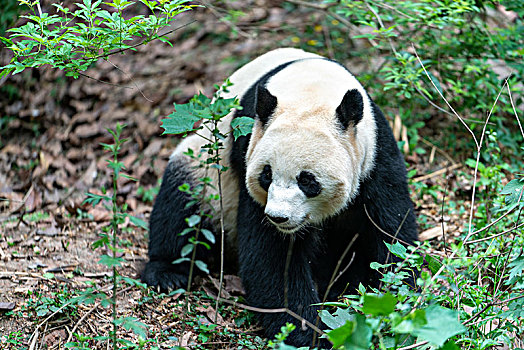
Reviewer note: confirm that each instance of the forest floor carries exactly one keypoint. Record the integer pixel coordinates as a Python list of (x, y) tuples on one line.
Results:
[(50, 156)]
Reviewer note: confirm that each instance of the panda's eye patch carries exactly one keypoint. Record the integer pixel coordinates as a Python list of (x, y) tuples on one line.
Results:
[(266, 177), (308, 184)]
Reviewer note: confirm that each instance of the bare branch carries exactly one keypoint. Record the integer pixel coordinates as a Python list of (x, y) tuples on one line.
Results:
[(382, 230), (442, 96), (514, 109)]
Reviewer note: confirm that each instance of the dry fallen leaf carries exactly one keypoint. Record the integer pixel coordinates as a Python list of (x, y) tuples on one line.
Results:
[(432, 233)]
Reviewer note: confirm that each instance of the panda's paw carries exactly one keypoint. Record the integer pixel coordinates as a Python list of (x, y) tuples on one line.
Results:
[(164, 276)]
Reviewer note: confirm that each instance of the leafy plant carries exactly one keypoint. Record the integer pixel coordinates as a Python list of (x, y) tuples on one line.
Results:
[(72, 40), (458, 42), (109, 239), (207, 113)]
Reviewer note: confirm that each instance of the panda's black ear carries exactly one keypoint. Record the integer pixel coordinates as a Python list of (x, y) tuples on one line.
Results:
[(351, 109), (265, 104)]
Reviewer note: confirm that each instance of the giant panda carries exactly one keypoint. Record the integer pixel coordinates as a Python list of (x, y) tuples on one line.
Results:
[(320, 167)]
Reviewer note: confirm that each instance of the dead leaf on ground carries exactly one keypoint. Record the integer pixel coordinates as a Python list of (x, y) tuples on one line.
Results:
[(432, 233)]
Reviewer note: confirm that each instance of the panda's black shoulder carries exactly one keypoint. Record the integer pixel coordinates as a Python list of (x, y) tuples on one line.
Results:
[(386, 185)]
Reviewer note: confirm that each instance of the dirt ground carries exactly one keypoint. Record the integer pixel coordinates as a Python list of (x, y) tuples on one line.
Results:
[(50, 156)]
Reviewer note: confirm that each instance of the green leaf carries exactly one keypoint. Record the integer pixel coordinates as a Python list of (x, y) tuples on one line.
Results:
[(379, 305), (180, 260), (338, 319), (188, 248), (138, 222), (450, 345), (516, 270), (513, 191), (410, 322), (377, 266), (134, 325), (354, 335), (397, 249), (202, 266), (110, 261), (193, 220), (442, 324), (186, 231), (242, 126), (48, 275), (181, 121), (94, 199), (209, 235), (434, 264), (435, 81), (339, 335)]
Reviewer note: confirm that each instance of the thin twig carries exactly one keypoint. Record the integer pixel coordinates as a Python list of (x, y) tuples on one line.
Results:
[(514, 109), (431, 102), (222, 232), (442, 218), (230, 24), (103, 82), (132, 80), (495, 236), (382, 26), (382, 230), (495, 221), (384, 5), (335, 277), (414, 345), (273, 311), (493, 303), (442, 96), (326, 7), (97, 304), (143, 42), (511, 249), (479, 147), (439, 150)]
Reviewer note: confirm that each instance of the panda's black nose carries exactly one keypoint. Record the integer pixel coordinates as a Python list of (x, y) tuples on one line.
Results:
[(277, 219)]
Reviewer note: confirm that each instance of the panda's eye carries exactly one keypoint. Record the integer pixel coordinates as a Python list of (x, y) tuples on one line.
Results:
[(266, 177), (308, 184)]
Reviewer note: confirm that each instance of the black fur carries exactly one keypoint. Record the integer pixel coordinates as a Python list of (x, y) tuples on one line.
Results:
[(308, 184), (351, 109), (265, 104), (167, 221), (265, 177), (262, 250)]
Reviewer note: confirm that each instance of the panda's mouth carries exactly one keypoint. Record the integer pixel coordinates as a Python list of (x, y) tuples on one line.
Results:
[(288, 229)]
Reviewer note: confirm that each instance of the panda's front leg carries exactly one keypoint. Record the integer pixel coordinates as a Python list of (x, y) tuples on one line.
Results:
[(262, 256), (166, 223)]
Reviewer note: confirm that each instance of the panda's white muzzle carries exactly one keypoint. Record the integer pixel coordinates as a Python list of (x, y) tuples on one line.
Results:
[(285, 207)]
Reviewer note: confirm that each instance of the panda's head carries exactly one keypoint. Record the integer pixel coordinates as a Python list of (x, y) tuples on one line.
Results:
[(312, 143)]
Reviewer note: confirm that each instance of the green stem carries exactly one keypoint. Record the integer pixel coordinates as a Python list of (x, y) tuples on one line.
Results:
[(114, 224), (193, 257), (222, 233)]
